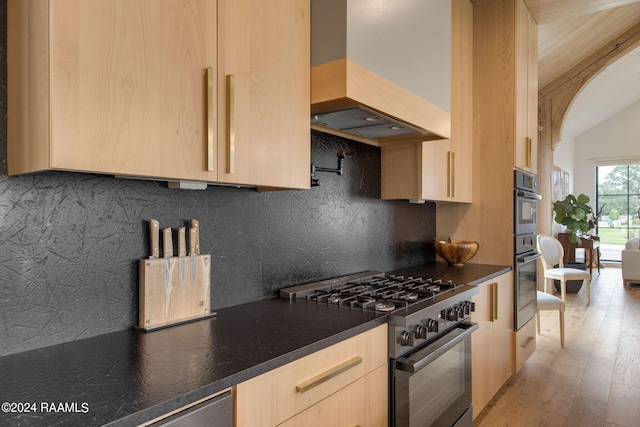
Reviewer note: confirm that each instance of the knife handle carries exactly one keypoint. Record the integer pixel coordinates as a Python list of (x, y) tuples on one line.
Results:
[(194, 237), (182, 242), (167, 243), (154, 237)]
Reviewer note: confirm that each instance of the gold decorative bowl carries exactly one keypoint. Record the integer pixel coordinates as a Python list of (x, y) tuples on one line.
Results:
[(456, 252)]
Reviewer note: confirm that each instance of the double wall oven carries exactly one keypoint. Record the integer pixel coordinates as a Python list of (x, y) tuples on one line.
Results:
[(429, 341), (525, 231)]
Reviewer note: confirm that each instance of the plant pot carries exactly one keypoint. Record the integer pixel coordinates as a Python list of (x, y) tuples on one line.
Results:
[(573, 286)]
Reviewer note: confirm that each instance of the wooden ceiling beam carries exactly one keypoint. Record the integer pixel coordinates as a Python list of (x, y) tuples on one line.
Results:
[(546, 11), (556, 97)]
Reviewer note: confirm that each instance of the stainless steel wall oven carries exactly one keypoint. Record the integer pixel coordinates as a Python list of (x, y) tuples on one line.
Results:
[(526, 210), (525, 255)]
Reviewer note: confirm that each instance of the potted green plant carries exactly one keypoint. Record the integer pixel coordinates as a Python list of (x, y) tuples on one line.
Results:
[(573, 212)]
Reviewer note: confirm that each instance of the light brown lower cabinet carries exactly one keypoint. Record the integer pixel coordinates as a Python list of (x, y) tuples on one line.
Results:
[(492, 343), (363, 403), (346, 382), (524, 343)]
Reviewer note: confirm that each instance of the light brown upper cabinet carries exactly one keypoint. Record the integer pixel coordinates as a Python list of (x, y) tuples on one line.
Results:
[(264, 74), (440, 170), (137, 88), (526, 128)]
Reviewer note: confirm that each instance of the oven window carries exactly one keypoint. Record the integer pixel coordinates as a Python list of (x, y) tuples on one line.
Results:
[(526, 284), (438, 394), (527, 212), (525, 292)]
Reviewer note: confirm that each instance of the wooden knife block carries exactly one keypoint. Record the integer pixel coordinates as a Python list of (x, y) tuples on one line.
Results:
[(174, 290)]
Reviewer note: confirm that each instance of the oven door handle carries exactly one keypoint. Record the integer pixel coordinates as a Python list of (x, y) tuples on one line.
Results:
[(528, 195), (436, 349), (529, 258)]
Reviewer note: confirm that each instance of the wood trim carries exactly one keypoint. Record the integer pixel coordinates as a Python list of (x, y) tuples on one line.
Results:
[(558, 96), (547, 11)]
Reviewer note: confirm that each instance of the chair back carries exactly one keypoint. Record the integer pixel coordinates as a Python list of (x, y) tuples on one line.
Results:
[(551, 250)]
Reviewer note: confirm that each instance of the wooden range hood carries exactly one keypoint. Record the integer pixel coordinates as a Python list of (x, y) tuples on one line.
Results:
[(380, 71), (339, 87)]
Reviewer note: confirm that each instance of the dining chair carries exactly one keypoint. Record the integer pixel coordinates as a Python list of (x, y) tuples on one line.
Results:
[(551, 302), (553, 254)]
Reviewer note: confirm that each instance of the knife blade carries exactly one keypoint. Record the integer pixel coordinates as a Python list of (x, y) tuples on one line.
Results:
[(154, 238), (167, 249), (182, 252)]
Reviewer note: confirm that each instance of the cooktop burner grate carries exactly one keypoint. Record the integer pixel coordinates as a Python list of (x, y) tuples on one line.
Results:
[(378, 292)]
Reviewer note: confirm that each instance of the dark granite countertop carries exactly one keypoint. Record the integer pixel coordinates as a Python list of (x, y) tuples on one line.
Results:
[(470, 274), (128, 377)]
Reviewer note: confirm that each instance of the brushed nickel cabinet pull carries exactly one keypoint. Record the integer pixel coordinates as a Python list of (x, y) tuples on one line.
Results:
[(231, 124), (210, 117), (327, 375)]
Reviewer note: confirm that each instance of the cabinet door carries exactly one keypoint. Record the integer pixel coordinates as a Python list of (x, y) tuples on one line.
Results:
[(128, 92), (481, 384), (438, 171), (363, 403), (503, 331), (532, 95), (264, 102), (422, 170), (462, 100), (526, 125), (275, 396), (491, 344)]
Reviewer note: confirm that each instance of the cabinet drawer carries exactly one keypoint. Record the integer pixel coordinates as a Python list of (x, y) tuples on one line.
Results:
[(363, 403), (277, 395), (525, 342)]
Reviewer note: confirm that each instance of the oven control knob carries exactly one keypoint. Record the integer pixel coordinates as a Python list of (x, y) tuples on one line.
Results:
[(452, 314), (464, 308), (447, 314), (432, 325), (406, 339), (469, 307), (421, 332)]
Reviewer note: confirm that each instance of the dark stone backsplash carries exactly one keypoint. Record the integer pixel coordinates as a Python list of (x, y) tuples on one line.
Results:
[(70, 242)]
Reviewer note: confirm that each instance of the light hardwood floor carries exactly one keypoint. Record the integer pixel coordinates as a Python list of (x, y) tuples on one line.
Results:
[(594, 380)]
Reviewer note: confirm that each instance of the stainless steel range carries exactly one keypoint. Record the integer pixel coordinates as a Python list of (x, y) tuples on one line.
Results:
[(429, 340)]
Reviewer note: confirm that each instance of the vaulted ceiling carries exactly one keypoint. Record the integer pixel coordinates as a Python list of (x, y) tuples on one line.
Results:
[(572, 30), (575, 34)]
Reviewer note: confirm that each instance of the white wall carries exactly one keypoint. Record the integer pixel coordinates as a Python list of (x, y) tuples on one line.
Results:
[(616, 138), (563, 157)]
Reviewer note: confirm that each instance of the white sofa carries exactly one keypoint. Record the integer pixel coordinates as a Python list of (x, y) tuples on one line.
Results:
[(631, 261)]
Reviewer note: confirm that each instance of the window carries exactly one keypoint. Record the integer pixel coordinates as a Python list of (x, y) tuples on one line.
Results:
[(618, 195)]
